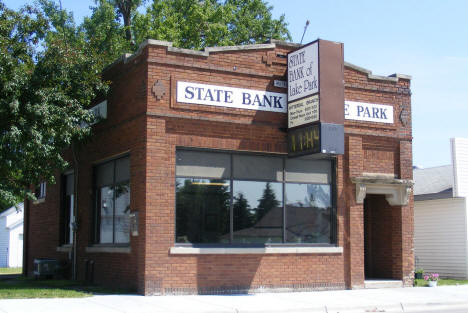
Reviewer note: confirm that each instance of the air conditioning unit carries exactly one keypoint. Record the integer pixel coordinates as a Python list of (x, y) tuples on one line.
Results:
[(44, 267)]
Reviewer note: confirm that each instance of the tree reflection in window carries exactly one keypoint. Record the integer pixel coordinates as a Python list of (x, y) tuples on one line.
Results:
[(258, 212), (202, 210), (266, 192), (308, 210)]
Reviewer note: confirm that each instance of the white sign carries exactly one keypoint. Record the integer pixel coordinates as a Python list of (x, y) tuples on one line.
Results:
[(303, 111), (369, 112), (303, 79), (280, 83), (99, 111), (231, 97)]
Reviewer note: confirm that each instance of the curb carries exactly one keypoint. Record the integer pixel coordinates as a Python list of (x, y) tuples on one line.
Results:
[(387, 308)]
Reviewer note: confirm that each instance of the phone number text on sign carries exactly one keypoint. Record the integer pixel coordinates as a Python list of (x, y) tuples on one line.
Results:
[(304, 111)]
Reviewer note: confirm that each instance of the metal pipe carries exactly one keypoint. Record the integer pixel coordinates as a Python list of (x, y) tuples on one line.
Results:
[(75, 212), (305, 28)]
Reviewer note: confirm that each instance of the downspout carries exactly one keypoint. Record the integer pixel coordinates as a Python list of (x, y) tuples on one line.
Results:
[(75, 212)]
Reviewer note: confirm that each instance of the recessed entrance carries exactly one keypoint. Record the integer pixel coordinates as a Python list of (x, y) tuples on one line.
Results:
[(378, 238)]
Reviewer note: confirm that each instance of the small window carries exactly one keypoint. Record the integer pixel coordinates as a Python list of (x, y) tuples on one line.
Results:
[(40, 191), (68, 199)]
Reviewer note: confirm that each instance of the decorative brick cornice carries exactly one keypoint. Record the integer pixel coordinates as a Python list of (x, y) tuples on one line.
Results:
[(392, 78)]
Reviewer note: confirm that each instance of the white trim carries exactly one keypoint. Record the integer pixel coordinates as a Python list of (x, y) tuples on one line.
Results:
[(108, 249), (266, 250), (466, 236)]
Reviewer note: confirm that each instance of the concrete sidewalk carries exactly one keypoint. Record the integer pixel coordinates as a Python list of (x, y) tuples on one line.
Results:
[(440, 299)]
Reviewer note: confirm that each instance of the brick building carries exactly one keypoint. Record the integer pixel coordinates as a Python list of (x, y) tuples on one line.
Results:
[(183, 197)]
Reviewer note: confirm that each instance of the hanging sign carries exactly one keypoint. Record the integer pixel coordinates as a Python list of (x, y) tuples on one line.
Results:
[(304, 111), (303, 78), (315, 99)]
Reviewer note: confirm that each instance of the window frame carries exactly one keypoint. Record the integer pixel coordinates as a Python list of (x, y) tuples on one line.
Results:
[(64, 230), (96, 214), (40, 192), (333, 242)]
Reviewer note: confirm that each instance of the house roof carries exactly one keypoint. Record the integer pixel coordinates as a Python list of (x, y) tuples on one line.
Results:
[(18, 207), (433, 183), (308, 221)]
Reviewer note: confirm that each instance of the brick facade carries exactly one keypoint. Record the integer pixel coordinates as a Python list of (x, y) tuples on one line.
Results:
[(150, 129)]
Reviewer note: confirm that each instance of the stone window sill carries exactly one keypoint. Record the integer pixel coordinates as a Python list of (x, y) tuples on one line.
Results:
[(65, 248), (108, 249), (266, 250), (40, 200)]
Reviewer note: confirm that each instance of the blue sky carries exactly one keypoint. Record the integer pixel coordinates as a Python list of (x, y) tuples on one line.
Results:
[(425, 39)]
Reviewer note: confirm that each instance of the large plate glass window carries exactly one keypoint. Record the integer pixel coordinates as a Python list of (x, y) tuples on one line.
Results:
[(245, 199)]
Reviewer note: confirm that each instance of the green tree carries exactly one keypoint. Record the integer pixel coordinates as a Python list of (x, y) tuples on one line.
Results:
[(195, 24), (126, 9), (250, 22), (50, 69), (45, 94), (104, 32)]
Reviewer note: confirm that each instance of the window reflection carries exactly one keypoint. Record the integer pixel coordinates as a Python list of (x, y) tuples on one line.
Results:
[(202, 210), (308, 210), (122, 210), (107, 211), (266, 191), (258, 212), (113, 201)]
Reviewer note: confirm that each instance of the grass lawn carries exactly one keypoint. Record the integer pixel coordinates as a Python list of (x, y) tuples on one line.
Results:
[(30, 288), (442, 282), (10, 270)]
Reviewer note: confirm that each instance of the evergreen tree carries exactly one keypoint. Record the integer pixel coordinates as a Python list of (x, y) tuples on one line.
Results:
[(243, 217), (267, 202)]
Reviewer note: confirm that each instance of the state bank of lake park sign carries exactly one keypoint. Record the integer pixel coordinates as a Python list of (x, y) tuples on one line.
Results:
[(316, 99), (314, 102), (195, 93)]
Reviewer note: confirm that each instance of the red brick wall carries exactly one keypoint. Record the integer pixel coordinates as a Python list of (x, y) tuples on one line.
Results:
[(124, 131), (151, 129)]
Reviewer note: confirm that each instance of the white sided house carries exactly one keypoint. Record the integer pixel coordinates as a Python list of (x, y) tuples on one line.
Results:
[(440, 215), (11, 237)]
